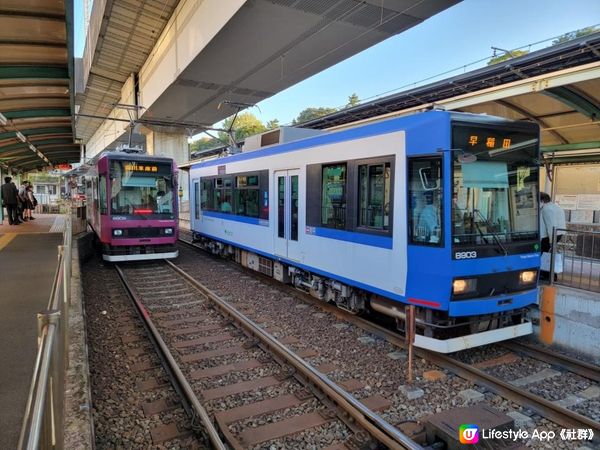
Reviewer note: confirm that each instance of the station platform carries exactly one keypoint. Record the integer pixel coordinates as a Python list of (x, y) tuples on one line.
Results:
[(28, 261)]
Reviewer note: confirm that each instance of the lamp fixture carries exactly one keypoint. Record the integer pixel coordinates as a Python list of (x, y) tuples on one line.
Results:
[(21, 137), (3, 120)]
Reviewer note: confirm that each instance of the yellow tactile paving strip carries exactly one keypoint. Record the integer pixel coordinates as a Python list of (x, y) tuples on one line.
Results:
[(5, 239)]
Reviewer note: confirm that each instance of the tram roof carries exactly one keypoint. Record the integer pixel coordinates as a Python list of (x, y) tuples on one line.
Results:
[(36, 92), (557, 87)]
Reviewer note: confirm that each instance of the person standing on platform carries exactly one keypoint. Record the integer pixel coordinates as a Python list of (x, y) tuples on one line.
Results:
[(9, 198), (24, 210), (31, 201), (552, 217)]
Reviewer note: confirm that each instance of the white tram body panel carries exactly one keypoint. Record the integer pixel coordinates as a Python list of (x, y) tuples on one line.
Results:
[(368, 265)]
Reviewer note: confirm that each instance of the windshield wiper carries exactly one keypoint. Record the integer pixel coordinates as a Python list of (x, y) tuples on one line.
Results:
[(480, 232), (489, 225)]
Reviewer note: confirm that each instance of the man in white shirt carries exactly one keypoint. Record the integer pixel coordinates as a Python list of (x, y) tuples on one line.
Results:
[(551, 216)]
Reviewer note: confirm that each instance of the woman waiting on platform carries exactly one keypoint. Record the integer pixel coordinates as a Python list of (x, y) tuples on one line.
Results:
[(31, 201)]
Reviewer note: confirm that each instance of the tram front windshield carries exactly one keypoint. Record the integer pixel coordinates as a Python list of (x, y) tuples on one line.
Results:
[(143, 189), (495, 194)]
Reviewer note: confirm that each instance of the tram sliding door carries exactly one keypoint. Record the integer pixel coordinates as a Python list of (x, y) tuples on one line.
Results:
[(286, 224)]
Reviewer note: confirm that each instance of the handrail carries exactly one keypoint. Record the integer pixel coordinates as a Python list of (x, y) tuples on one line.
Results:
[(43, 423)]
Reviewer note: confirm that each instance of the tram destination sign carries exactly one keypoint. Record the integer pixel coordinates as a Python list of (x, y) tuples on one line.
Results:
[(135, 167)]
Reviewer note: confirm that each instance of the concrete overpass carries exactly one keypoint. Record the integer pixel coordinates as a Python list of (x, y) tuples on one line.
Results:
[(177, 61)]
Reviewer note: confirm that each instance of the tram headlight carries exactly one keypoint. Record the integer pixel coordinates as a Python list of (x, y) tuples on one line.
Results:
[(462, 286), (117, 232), (168, 230), (527, 276)]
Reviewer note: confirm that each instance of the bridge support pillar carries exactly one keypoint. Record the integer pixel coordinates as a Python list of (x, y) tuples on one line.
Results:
[(172, 145)]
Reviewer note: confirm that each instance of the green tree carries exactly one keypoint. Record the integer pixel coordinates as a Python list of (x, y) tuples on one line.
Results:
[(353, 100), (312, 113), (574, 35), (504, 57), (204, 143), (246, 124), (272, 124)]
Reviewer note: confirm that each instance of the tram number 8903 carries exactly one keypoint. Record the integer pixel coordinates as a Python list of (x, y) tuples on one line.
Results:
[(465, 255)]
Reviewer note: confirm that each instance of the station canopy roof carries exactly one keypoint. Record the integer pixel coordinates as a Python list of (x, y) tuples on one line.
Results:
[(557, 87), (36, 54)]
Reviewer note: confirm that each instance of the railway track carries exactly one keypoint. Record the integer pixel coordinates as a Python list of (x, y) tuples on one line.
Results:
[(190, 402), (245, 388), (551, 410), (582, 368), (135, 404)]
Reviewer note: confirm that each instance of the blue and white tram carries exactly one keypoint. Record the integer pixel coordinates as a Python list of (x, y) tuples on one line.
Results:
[(437, 210)]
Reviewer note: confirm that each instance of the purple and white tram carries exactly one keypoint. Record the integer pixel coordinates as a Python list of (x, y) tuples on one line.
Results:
[(132, 206)]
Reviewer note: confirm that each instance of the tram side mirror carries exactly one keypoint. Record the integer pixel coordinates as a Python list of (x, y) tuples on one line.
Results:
[(428, 181), (466, 158)]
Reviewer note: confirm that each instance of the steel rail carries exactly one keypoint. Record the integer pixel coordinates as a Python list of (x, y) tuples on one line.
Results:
[(199, 410), (381, 430), (585, 369), (541, 406)]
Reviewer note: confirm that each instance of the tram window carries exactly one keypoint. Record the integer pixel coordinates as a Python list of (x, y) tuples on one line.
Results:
[(224, 195), (102, 192), (246, 202), (197, 200), (294, 208), (247, 196), (374, 185), (247, 181), (281, 207), (425, 201), (333, 196), (207, 194)]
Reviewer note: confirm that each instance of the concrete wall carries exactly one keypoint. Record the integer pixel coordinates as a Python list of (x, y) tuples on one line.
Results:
[(571, 320)]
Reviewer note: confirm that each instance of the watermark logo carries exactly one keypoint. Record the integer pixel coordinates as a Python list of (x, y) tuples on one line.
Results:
[(468, 433)]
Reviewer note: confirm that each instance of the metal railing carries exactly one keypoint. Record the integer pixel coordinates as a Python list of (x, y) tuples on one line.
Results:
[(578, 252), (43, 423)]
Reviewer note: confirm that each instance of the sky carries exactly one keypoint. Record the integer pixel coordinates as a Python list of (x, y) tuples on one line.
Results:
[(453, 39)]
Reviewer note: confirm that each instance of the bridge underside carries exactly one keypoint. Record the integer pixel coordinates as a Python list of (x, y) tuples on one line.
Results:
[(268, 46), (209, 52)]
